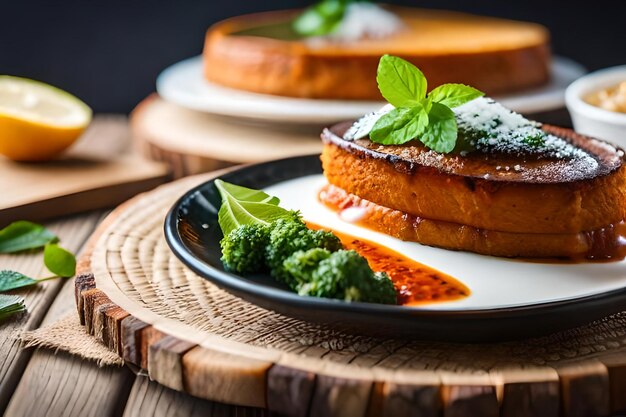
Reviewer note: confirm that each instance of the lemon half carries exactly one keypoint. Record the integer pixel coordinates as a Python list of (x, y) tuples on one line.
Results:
[(38, 121)]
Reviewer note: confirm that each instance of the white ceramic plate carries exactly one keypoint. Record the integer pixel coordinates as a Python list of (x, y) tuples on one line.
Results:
[(495, 283), (183, 84)]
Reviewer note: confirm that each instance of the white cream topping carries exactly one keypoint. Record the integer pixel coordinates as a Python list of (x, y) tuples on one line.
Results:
[(363, 20)]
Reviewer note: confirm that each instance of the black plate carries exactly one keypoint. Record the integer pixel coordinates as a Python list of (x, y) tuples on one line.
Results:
[(193, 234)]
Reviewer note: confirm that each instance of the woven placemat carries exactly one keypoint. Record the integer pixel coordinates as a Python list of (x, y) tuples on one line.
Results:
[(189, 334)]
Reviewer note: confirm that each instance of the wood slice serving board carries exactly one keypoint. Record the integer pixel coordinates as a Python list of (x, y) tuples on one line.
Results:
[(191, 142), (139, 300), (99, 171)]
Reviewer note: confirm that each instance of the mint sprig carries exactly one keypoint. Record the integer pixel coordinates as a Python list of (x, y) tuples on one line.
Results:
[(322, 18), (21, 236), (428, 118)]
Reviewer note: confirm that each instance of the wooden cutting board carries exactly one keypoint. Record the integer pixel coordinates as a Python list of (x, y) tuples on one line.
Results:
[(99, 171)]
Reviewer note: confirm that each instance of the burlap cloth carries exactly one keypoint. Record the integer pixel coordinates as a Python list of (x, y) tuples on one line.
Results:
[(68, 335)]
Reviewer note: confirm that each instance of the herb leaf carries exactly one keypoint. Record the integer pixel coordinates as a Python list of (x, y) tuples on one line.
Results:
[(400, 82), (59, 261), (9, 305), (441, 133), (11, 280), (241, 205), (400, 125), (320, 19), (23, 235), (453, 95)]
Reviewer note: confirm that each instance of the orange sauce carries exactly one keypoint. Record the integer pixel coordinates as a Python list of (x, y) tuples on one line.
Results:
[(415, 282)]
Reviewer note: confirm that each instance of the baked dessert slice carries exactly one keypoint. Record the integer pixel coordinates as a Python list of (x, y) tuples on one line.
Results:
[(510, 187), (261, 53)]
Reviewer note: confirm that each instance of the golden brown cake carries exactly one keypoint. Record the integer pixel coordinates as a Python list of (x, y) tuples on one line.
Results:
[(567, 203), (260, 53)]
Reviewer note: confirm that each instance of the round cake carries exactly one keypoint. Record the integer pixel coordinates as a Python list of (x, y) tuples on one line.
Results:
[(262, 53)]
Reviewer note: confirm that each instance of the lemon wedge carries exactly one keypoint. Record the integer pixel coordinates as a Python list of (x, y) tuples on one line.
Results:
[(38, 121)]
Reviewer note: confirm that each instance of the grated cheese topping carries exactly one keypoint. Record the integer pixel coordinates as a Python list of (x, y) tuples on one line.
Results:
[(487, 126)]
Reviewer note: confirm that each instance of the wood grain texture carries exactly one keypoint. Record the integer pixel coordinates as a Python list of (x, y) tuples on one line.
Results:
[(616, 368), (191, 142), (405, 400), (470, 400), (131, 339), (530, 399), (13, 359), (585, 389), (340, 397), (147, 398), (225, 378), (289, 391), (98, 172), (165, 361), (57, 384)]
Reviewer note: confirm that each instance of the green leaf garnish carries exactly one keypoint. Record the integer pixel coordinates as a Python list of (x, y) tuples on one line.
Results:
[(321, 19), (59, 261), (453, 95), (10, 305), (23, 235), (441, 133), (400, 82), (427, 118), (394, 127), (241, 205), (11, 280)]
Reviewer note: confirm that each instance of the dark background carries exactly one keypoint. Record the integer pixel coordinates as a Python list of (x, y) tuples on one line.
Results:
[(110, 52)]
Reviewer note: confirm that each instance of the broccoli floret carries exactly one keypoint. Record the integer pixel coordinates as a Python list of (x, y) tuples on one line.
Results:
[(301, 265), (288, 236), (243, 250), (344, 274)]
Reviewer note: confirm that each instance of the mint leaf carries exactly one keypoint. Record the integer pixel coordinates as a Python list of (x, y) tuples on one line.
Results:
[(453, 95), (241, 205), (59, 261), (23, 235), (11, 280), (244, 193), (320, 19), (441, 133), (10, 305), (400, 82), (400, 125)]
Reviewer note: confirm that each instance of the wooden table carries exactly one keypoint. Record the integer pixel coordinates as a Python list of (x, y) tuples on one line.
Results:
[(40, 382)]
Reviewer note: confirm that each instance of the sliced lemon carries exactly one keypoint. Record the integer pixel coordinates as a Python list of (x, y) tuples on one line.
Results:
[(38, 121)]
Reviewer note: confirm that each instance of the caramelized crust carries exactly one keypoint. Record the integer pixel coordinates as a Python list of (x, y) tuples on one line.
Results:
[(494, 55), (470, 191)]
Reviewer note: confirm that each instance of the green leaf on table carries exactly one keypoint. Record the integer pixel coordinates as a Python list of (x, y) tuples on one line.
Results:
[(453, 95), (59, 261), (23, 235), (12, 280), (400, 82), (400, 125), (441, 133), (241, 205), (10, 305), (321, 19)]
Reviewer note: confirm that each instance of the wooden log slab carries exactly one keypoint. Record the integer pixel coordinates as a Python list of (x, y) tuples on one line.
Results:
[(191, 336), (192, 142)]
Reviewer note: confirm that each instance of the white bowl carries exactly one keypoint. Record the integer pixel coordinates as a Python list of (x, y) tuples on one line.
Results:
[(595, 121)]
